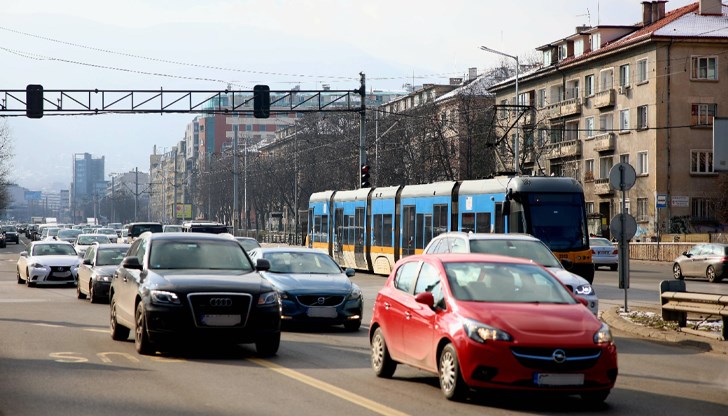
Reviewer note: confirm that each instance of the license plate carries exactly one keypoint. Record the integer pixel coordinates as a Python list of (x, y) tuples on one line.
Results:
[(61, 274), (546, 379), (221, 320), (322, 312)]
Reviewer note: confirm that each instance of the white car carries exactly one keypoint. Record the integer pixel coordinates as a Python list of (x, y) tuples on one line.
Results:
[(48, 263), (524, 246), (109, 232), (85, 240), (604, 253)]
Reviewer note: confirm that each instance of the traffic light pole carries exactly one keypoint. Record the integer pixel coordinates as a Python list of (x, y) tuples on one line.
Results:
[(362, 124)]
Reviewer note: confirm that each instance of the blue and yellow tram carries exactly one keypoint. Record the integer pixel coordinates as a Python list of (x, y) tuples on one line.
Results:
[(371, 228)]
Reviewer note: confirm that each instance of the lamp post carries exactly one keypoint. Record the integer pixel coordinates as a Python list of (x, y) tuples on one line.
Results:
[(516, 140)]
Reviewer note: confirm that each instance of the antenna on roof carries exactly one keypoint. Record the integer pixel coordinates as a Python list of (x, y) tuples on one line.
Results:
[(588, 17)]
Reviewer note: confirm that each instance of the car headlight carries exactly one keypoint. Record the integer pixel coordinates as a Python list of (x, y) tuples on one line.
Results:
[(481, 332), (355, 293), (603, 336), (37, 266), (269, 298), (103, 278), (162, 297), (584, 290)]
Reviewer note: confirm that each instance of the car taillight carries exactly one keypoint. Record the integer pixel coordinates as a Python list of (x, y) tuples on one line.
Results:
[(724, 260), (594, 252), (615, 251)]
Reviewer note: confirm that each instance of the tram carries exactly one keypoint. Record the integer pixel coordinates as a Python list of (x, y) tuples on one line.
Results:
[(371, 228)]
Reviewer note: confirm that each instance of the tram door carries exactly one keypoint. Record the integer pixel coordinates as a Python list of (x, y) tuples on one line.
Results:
[(359, 258), (408, 230)]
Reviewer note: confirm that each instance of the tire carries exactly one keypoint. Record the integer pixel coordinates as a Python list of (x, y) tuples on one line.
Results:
[(79, 294), (382, 364), (118, 331), (595, 397), (267, 345), (141, 338), (710, 274), (451, 380), (677, 272), (27, 279), (91, 296), (352, 325), (20, 279)]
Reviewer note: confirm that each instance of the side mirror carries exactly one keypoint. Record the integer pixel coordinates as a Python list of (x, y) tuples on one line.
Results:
[(686, 254), (131, 263), (262, 265), (350, 272), (23, 254), (88, 261), (425, 298)]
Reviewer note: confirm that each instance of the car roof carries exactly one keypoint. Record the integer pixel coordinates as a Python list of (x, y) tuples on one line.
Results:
[(470, 257), (290, 249), (186, 236), (488, 236), (112, 245), (38, 243), (91, 235)]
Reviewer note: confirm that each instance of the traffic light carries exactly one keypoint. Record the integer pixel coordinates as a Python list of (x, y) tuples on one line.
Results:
[(365, 176), (34, 101), (261, 101)]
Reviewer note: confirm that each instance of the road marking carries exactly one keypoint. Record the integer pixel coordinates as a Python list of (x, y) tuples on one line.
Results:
[(22, 300), (50, 325), (328, 388), (103, 331)]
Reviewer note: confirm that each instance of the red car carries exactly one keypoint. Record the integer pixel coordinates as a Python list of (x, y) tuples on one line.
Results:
[(490, 322)]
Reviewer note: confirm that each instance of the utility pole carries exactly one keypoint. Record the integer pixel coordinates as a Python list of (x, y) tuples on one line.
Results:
[(235, 175), (295, 184), (362, 124), (174, 189)]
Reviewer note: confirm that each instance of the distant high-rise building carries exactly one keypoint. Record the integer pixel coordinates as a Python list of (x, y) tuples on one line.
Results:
[(88, 185)]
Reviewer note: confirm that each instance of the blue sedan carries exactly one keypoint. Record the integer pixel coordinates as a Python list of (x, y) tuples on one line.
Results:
[(312, 287)]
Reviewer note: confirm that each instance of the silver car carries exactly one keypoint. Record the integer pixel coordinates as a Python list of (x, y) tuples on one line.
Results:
[(604, 253), (515, 245), (708, 260)]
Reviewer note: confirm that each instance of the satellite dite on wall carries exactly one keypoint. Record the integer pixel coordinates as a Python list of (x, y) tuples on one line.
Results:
[(720, 144)]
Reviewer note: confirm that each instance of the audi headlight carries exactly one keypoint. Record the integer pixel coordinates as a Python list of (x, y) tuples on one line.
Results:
[(162, 297), (584, 290), (269, 298), (603, 336), (355, 293), (481, 332), (103, 278)]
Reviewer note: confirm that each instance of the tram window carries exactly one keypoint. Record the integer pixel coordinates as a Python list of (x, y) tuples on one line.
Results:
[(419, 230), (427, 236), (316, 235), (408, 227), (482, 222), (439, 219), (387, 230), (325, 228), (468, 223), (377, 240), (499, 220)]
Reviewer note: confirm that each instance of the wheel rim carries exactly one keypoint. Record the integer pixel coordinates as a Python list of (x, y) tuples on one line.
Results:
[(139, 326), (377, 351), (91, 291), (676, 271), (711, 273), (448, 372), (113, 315)]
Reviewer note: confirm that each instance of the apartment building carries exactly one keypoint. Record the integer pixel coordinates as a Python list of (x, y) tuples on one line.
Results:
[(644, 94)]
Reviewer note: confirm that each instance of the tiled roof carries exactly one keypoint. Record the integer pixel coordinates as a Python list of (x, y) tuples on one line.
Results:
[(693, 25)]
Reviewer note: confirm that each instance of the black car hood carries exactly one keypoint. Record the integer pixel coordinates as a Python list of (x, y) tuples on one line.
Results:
[(208, 280)]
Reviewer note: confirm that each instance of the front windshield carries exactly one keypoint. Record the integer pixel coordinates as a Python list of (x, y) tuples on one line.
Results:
[(110, 256), (52, 232), (69, 233), (9, 228), (199, 254), (301, 262), (600, 242), (107, 231), (525, 249), (54, 250), (501, 282), (557, 219), (248, 243), (87, 240)]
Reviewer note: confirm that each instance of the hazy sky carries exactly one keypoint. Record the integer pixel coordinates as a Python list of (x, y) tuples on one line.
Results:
[(87, 44)]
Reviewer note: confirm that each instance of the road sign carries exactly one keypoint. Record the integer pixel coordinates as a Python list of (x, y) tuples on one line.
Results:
[(626, 231), (661, 201), (622, 176)]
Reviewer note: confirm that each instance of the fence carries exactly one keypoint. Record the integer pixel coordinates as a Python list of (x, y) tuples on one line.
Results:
[(671, 246)]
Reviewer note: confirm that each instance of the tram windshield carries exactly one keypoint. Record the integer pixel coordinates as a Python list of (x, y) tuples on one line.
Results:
[(557, 219)]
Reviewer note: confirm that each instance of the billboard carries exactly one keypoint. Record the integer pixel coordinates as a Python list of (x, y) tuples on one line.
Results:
[(32, 195), (183, 211)]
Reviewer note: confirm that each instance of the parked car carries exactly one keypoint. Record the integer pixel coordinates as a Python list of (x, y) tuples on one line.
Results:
[(48, 262), (85, 240), (604, 253), (523, 246), (109, 232), (703, 260), (491, 322), (11, 234), (68, 235), (176, 288), (312, 287), (248, 243), (96, 270)]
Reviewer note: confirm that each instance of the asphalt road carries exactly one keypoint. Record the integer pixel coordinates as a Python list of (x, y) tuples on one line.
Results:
[(57, 358)]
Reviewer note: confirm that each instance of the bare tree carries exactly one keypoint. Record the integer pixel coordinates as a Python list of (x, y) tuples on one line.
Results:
[(6, 155)]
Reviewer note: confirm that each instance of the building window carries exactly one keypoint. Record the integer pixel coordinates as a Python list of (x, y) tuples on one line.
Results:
[(588, 170), (542, 98), (704, 68), (572, 89), (624, 158), (589, 85), (571, 131), (642, 214), (642, 163), (703, 114), (642, 117), (606, 80), (589, 126), (701, 161), (504, 109), (606, 122), (578, 47), (624, 75), (624, 120), (547, 57), (626, 206), (589, 207), (596, 41), (605, 165), (642, 71), (563, 52), (701, 208)]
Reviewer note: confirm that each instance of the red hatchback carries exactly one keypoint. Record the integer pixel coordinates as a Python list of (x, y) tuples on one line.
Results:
[(485, 321)]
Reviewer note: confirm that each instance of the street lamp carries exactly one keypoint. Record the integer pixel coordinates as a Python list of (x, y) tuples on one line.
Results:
[(515, 141)]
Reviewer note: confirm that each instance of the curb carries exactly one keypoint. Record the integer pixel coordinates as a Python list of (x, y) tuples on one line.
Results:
[(612, 318)]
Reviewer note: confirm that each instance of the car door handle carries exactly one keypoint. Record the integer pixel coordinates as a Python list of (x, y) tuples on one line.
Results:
[(407, 315), (387, 305)]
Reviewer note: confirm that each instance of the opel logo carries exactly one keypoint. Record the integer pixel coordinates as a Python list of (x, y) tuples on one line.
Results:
[(221, 302), (559, 356), (321, 300)]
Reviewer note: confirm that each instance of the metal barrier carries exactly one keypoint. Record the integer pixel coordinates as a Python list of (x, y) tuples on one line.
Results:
[(677, 303)]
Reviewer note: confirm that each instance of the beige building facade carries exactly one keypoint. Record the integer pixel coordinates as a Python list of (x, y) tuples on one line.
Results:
[(644, 95)]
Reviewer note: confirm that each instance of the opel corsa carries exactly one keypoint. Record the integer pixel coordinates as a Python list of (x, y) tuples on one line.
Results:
[(490, 322)]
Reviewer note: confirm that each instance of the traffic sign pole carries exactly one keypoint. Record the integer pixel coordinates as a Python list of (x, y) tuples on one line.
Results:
[(622, 177)]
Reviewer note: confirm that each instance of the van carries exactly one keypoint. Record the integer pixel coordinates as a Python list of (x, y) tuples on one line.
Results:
[(204, 227), (135, 229)]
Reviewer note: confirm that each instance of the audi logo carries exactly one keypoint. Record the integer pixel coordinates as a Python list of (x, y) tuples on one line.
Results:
[(221, 302), (559, 356)]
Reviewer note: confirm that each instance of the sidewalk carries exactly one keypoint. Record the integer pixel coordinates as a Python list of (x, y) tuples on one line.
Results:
[(612, 317)]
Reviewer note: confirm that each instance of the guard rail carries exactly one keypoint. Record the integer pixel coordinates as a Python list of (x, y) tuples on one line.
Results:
[(677, 303)]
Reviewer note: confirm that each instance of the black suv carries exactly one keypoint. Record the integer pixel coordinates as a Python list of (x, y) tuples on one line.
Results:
[(11, 234), (136, 229), (177, 288)]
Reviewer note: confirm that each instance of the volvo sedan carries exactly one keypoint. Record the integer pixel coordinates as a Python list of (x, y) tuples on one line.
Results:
[(178, 288), (48, 263), (491, 322)]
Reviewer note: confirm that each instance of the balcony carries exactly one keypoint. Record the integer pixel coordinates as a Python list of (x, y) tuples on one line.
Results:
[(604, 142), (563, 149), (564, 108), (604, 98), (602, 187)]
